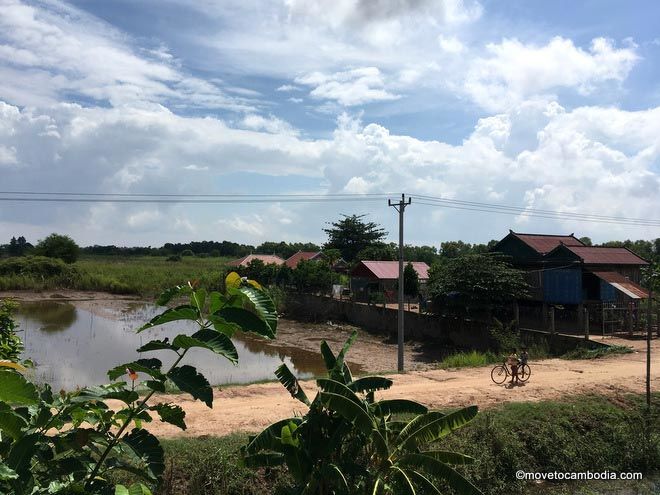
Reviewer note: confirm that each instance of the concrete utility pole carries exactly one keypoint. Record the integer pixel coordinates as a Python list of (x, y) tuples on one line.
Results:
[(401, 208), (649, 315)]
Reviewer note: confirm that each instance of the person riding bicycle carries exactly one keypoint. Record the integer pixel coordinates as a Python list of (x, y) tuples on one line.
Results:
[(513, 361), (524, 356)]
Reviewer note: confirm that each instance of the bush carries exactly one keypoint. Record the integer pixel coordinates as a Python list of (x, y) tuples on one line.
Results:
[(11, 345), (58, 246), (187, 252), (470, 359), (174, 258)]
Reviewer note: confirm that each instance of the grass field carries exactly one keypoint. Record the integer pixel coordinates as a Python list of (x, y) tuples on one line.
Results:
[(145, 275)]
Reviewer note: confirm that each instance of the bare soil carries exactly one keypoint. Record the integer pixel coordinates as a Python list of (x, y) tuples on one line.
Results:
[(251, 408)]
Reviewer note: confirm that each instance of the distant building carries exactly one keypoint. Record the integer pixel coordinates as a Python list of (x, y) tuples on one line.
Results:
[(296, 258), (369, 277), (268, 259), (562, 270)]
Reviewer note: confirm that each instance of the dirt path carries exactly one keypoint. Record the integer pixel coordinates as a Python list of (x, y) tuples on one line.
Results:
[(251, 408)]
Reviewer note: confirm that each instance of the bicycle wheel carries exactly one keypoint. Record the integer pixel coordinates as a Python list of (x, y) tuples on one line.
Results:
[(523, 373), (499, 374)]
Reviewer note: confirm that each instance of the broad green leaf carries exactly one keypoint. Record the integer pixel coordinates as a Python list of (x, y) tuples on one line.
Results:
[(339, 364), (171, 293), (433, 425), (247, 321), (328, 357), (148, 449), (333, 473), (187, 379), (6, 473), (223, 326), (15, 389), (21, 454), (183, 312), (233, 279), (211, 340), (138, 489), (286, 434), (11, 423), (216, 300), (290, 382), (448, 457), (157, 345), (121, 490), (102, 392), (149, 366), (349, 410), (198, 299), (269, 437), (6, 363), (327, 385), (370, 383), (155, 385), (264, 307), (440, 470), (399, 406), (171, 413)]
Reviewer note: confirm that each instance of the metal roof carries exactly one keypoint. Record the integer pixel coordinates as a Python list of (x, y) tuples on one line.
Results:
[(591, 255), (389, 270), (544, 243), (294, 259), (621, 283), (268, 259)]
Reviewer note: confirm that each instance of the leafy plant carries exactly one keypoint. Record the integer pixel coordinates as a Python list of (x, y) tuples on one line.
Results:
[(349, 443), (11, 345), (72, 442)]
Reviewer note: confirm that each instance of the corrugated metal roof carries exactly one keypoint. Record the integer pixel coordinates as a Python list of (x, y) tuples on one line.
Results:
[(621, 283), (294, 259), (543, 243), (388, 270), (606, 255), (268, 259)]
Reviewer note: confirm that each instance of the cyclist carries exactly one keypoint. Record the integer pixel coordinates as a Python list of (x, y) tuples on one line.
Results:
[(513, 362)]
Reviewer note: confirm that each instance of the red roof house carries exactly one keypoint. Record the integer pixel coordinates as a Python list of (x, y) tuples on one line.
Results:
[(296, 258), (268, 259)]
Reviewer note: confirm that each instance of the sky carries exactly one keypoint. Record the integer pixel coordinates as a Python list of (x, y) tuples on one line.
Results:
[(533, 104)]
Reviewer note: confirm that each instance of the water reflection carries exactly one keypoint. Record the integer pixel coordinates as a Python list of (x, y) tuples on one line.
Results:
[(86, 345), (51, 316)]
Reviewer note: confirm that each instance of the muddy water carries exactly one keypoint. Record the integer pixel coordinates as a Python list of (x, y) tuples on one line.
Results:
[(72, 347)]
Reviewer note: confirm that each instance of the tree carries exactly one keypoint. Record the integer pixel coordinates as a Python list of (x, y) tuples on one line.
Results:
[(410, 281), (378, 252), (586, 241), (476, 281), (351, 235), (58, 246), (18, 247)]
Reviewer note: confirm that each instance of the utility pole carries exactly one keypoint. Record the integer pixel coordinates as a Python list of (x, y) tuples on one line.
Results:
[(649, 315), (401, 208)]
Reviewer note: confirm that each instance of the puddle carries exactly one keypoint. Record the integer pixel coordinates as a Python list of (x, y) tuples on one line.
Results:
[(72, 347)]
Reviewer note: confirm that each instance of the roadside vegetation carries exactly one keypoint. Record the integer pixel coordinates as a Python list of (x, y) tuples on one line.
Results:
[(582, 433)]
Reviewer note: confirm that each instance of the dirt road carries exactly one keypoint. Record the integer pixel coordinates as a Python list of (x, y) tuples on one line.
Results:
[(251, 408)]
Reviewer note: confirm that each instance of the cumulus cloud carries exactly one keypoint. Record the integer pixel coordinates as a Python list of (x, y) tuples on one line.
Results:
[(348, 88), (52, 50), (512, 71)]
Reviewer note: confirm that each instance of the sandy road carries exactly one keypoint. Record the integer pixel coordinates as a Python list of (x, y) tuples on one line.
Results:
[(251, 408)]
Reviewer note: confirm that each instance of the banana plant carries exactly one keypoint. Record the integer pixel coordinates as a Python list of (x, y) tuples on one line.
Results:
[(350, 443), (73, 442)]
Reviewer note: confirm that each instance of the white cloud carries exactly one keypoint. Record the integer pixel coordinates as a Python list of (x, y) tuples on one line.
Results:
[(8, 155), (513, 71), (53, 49), (450, 44), (348, 88)]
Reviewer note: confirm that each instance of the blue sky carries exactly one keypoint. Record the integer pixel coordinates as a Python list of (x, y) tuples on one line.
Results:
[(551, 105)]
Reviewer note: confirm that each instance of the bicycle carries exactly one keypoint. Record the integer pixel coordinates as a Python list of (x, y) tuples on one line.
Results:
[(501, 372)]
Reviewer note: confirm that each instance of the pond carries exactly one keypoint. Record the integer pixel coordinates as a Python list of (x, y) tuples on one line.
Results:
[(72, 347)]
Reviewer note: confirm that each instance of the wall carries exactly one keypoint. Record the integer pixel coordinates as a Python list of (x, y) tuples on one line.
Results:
[(420, 327)]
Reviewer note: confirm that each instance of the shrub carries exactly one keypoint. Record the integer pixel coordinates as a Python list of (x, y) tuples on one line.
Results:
[(187, 252), (58, 246)]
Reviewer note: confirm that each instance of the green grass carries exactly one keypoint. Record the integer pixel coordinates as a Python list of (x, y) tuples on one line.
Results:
[(583, 433), (600, 352), (471, 359), (145, 275)]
